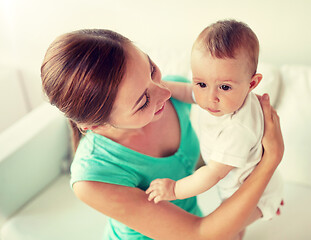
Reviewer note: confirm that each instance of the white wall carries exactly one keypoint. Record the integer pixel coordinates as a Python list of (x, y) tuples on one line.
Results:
[(160, 27), (28, 27)]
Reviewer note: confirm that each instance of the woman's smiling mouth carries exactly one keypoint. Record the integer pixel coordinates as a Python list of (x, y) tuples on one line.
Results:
[(160, 110)]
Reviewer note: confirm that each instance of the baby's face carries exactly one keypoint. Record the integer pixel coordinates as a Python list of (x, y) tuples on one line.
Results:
[(220, 85)]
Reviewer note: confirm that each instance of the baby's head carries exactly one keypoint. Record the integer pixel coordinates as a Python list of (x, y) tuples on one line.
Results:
[(224, 62)]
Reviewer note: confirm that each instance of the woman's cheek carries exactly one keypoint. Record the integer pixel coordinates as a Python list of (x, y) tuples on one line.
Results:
[(144, 117)]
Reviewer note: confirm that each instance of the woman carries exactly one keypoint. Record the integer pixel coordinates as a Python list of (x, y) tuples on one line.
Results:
[(113, 93)]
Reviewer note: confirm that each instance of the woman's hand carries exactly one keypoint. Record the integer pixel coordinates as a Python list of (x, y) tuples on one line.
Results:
[(272, 140)]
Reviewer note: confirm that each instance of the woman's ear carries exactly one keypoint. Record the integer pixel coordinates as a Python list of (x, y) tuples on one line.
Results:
[(93, 127), (84, 128), (255, 81)]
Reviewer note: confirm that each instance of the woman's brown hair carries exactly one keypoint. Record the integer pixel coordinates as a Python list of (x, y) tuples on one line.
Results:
[(80, 75)]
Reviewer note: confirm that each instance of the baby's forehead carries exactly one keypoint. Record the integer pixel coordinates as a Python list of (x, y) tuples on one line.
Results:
[(242, 55)]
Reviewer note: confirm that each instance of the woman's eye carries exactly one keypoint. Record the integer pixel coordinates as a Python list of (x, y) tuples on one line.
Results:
[(153, 70), (225, 87), (201, 85), (146, 103)]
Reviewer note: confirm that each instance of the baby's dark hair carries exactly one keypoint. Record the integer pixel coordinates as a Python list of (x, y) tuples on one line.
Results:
[(224, 38)]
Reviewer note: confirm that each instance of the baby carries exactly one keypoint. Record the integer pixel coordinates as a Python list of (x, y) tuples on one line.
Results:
[(224, 68)]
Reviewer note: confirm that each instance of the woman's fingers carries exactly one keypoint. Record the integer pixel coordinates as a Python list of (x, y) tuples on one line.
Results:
[(270, 114), (272, 140), (266, 108)]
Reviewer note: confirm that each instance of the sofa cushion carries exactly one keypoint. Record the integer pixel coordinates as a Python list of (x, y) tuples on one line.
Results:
[(31, 82), (32, 153), (55, 214), (12, 102), (295, 113), (270, 82)]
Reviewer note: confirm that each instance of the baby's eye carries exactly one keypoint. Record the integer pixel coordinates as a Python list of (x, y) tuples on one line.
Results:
[(225, 87), (201, 85)]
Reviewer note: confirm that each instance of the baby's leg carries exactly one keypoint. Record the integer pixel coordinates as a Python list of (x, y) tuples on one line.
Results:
[(254, 216)]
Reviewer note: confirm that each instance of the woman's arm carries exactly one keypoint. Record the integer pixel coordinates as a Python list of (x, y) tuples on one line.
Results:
[(167, 221), (131, 207), (200, 181)]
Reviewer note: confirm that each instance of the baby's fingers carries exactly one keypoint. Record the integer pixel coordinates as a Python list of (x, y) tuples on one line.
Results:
[(149, 190), (154, 196), (157, 199), (151, 196), (153, 186)]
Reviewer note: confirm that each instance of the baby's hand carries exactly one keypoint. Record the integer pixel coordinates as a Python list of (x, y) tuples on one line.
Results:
[(161, 189)]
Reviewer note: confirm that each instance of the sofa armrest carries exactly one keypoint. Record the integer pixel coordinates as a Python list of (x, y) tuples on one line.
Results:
[(31, 157)]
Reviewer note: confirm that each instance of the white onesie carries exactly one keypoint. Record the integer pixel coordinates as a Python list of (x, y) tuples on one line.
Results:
[(235, 140)]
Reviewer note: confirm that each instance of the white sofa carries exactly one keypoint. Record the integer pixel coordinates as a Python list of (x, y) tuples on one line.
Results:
[(36, 202)]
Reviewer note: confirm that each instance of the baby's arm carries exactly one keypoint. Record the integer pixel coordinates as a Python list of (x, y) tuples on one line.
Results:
[(181, 91), (200, 181)]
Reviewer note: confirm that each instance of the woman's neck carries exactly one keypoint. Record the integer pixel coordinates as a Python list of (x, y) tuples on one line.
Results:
[(157, 139), (121, 135)]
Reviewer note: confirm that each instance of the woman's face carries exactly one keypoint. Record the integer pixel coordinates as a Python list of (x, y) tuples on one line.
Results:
[(141, 96)]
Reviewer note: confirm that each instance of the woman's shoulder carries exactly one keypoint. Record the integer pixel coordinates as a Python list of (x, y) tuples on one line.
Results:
[(94, 162), (175, 78)]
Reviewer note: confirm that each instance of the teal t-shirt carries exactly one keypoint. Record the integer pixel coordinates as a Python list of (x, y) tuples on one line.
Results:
[(101, 159)]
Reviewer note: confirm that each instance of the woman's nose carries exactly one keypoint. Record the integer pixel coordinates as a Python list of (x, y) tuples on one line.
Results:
[(163, 92)]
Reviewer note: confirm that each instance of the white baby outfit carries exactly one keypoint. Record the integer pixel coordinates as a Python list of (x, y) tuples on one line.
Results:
[(235, 140)]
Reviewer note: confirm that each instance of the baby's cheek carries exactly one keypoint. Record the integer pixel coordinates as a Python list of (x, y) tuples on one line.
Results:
[(200, 100), (235, 104)]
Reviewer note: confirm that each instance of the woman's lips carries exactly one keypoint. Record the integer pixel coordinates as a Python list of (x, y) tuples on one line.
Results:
[(160, 110)]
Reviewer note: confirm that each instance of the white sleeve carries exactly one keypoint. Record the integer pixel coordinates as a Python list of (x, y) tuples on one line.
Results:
[(233, 146)]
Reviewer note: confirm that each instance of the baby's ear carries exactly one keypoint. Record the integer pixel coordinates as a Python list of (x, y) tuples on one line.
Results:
[(255, 81)]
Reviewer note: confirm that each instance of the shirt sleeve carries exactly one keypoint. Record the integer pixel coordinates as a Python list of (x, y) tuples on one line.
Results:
[(101, 171), (233, 146), (176, 78), (177, 103)]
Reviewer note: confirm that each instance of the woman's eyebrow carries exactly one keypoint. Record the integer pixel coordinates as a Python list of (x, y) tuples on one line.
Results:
[(150, 62), (140, 98), (144, 93)]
